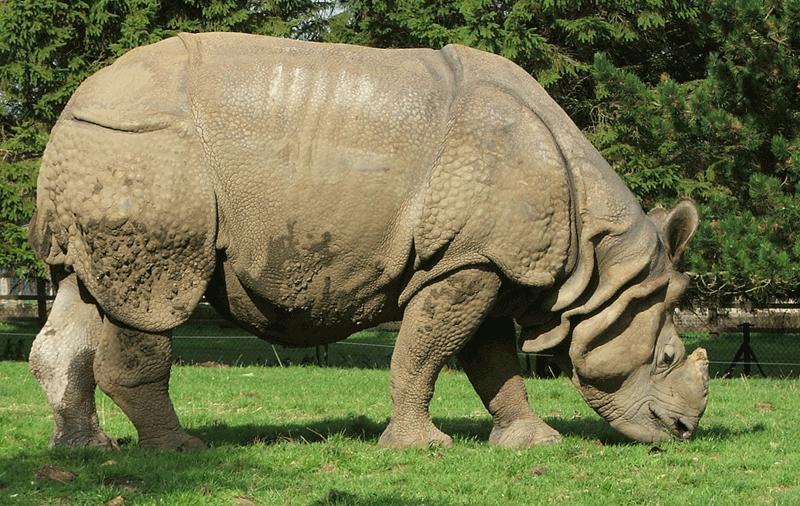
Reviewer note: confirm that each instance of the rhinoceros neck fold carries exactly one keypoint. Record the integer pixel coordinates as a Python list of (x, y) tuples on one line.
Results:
[(612, 240)]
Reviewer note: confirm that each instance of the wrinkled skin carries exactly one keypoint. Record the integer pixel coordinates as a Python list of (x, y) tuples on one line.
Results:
[(310, 191)]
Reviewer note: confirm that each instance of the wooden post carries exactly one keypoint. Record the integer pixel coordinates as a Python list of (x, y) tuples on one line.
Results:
[(41, 300)]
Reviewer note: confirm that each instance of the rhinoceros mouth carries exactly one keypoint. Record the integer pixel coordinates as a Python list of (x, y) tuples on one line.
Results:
[(678, 426)]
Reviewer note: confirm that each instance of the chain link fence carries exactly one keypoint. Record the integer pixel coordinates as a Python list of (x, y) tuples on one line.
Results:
[(216, 344)]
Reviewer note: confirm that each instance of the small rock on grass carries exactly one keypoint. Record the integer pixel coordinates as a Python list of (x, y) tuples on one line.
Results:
[(211, 363), (537, 470), (52, 473)]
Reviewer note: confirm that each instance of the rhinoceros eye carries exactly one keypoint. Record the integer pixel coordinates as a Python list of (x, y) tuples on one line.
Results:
[(668, 355)]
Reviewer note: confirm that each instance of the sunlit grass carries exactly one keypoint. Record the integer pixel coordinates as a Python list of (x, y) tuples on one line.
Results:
[(307, 435)]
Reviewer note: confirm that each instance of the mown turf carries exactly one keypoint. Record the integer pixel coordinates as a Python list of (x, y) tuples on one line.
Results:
[(307, 435)]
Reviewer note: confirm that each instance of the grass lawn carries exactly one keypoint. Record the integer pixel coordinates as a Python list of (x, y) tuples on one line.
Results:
[(307, 435)]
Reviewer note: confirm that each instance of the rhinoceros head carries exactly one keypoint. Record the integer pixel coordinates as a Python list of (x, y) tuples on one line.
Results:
[(627, 359)]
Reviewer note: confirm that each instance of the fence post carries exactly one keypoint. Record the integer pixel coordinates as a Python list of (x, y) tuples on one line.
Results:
[(41, 300), (322, 355)]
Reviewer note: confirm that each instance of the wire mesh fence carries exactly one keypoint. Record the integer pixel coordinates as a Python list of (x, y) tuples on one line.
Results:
[(214, 343), (763, 341)]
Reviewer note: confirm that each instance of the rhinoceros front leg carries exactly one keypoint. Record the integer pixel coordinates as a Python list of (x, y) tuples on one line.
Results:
[(437, 322), (490, 361), (61, 359), (133, 367)]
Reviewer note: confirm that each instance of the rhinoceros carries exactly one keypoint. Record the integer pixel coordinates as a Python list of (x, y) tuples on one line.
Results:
[(311, 190)]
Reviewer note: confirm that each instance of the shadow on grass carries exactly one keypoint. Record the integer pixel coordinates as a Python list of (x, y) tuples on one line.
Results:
[(99, 476), (364, 429), (596, 429), (219, 434), (723, 432), (140, 474), (593, 429)]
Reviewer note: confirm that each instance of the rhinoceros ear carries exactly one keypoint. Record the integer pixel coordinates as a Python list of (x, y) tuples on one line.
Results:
[(677, 226)]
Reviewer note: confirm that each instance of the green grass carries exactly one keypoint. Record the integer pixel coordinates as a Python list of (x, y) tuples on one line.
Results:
[(307, 435)]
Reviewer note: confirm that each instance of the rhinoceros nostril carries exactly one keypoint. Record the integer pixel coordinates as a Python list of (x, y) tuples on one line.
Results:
[(682, 429)]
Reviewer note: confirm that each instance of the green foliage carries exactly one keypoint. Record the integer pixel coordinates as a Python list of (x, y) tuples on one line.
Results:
[(17, 201), (730, 139)]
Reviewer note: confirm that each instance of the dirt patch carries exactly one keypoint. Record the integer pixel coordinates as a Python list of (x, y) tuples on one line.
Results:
[(52, 473), (128, 483)]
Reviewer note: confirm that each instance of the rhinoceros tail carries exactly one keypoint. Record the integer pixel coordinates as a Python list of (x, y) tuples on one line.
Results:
[(38, 239), (41, 237)]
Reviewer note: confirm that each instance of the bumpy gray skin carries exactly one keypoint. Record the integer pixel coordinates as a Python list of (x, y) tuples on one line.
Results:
[(312, 190)]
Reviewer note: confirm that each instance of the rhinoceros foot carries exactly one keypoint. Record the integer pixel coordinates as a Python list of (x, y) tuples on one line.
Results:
[(429, 435), (524, 433), (192, 444), (97, 439), (179, 441)]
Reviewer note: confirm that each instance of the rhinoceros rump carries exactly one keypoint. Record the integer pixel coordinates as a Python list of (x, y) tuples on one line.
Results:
[(312, 190)]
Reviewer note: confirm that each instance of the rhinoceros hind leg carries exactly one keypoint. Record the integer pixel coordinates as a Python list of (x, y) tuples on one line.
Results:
[(61, 359), (437, 322), (133, 368), (490, 361)]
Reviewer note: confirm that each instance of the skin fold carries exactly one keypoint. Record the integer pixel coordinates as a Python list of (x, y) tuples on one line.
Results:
[(313, 190)]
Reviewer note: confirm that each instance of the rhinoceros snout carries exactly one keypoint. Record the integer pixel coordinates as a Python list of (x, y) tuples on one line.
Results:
[(679, 426), (683, 428)]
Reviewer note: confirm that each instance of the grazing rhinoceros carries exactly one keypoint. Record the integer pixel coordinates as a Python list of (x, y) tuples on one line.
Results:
[(311, 190)]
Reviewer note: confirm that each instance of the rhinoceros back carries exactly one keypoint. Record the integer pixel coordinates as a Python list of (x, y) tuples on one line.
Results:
[(123, 197)]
